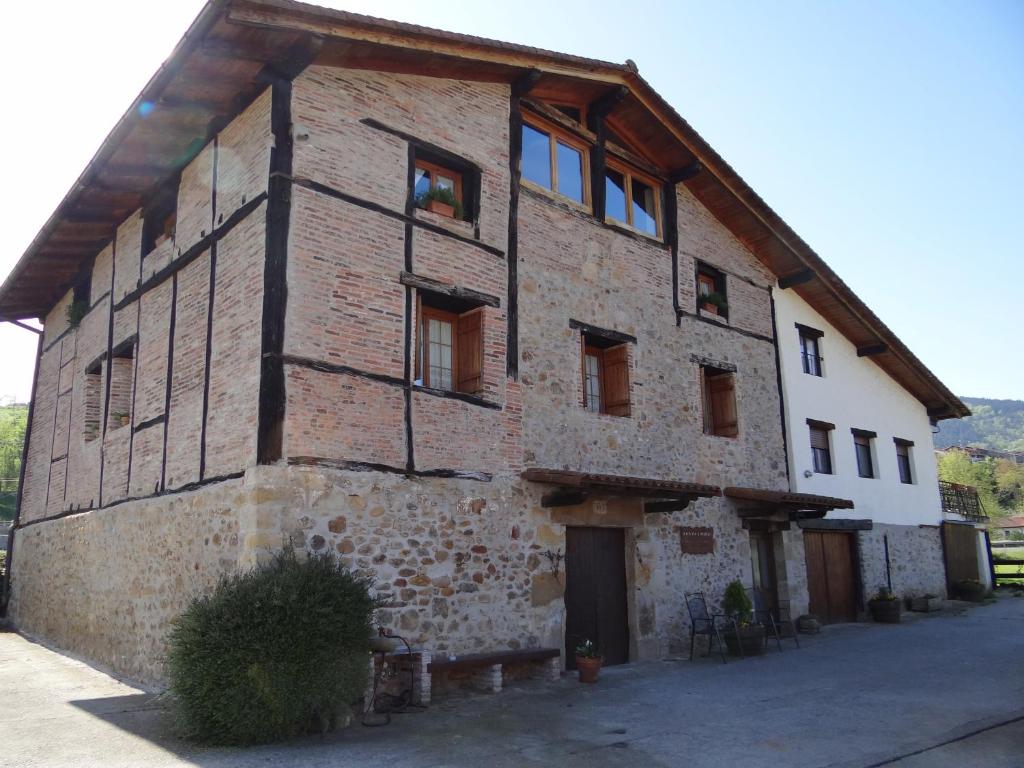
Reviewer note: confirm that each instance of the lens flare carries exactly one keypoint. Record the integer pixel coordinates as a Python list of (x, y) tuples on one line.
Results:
[(146, 107)]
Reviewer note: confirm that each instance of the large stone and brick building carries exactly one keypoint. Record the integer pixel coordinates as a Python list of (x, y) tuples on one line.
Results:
[(543, 411)]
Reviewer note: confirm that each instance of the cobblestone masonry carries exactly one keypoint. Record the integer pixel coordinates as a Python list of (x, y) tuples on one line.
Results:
[(915, 560)]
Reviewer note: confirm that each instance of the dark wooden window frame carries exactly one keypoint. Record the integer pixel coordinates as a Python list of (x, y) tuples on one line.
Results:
[(821, 456), (706, 273), (811, 364), (904, 460), (557, 134), (862, 441)]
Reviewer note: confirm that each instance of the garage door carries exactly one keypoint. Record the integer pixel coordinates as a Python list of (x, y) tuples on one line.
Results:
[(831, 577)]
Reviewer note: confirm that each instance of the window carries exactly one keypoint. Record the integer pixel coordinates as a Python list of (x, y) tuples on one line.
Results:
[(93, 396), (810, 349), (632, 200), (710, 287), (718, 395), (605, 375), (903, 462), (556, 162), (862, 448), (450, 346), (821, 454), (122, 371), (160, 217), (438, 189)]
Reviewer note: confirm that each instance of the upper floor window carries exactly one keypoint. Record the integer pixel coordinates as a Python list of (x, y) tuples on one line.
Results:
[(903, 462), (821, 452), (438, 189), (160, 217), (555, 161), (862, 448), (711, 296), (810, 349), (632, 200), (93, 401), (718, 395), (122, 375), (450, 347), (605, 368)]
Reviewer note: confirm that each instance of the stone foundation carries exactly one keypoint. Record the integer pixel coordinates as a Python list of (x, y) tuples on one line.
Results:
[(916, 565)]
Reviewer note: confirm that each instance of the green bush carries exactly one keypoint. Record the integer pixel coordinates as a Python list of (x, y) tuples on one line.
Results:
[(736, 602), (272, 653)]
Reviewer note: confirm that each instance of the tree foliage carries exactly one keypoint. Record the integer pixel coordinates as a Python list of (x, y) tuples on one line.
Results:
[(13, 422), (995, 424), (1000, 482)]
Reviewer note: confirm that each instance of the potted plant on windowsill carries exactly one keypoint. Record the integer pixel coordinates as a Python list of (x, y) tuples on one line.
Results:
[(588, 661), (714, 303), (742, 636), (121, 418), (885, 607), (442, 201)]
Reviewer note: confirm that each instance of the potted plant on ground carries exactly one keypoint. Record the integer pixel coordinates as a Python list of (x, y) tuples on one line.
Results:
[(588, 661), (441, 200), (714, 303), (885, 607), (742, 635)]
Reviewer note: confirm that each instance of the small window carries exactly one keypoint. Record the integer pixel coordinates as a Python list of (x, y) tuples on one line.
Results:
[(632, 200), (450, 347), (605, 376), (160, 217), (810, 349), (903, 462), (821, 454), (862, 449), (438, 189), (556, 162), (93, 395), (122, 373), (711, 295), (718, 395)]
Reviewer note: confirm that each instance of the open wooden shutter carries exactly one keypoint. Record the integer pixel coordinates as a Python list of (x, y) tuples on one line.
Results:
[(470, 351), (723, 405), (616, 380)]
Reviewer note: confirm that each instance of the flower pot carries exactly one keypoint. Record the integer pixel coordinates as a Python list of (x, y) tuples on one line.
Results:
[(443, 209), (708, 307), (749, 639), (588, 667), (125, 420), (885, 611)]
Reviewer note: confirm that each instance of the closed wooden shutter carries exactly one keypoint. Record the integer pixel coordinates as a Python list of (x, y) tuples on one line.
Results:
[(723, 405), (616, 380), (470, 351), (819, 439)]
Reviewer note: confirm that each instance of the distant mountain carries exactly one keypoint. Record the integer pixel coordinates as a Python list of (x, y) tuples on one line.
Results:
[(995, 424)]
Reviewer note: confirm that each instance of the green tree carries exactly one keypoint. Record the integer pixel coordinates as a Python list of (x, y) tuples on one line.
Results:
[(957, 467), (13, 421)]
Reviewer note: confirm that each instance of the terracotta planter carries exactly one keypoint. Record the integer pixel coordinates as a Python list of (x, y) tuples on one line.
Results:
[(885, 611), (750, 639), (713, 309), (125, 420), (443, 209), (588, 667)]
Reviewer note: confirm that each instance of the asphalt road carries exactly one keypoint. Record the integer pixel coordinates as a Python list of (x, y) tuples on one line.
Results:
[(941, 690)]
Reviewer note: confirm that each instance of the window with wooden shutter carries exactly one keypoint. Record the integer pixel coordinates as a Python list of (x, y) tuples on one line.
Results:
[(718, 393), (605, 372), (449, 352), (821, 453)]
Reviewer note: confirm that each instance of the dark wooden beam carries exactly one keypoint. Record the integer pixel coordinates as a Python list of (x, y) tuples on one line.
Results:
[(796, 278), (526, 82), (226, 49), (563, 497), (455, 291), (604, 333), (686, 172), (206, 105), (671, 505), (872, 349), (835, 525), (604, 104)]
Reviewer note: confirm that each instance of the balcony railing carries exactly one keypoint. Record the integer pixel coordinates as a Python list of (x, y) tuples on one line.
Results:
[(962, 500)]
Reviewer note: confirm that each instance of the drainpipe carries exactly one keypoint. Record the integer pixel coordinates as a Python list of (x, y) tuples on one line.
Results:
[(5, 586)]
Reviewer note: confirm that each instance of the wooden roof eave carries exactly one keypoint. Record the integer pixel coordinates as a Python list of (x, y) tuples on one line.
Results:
[(771, 499)]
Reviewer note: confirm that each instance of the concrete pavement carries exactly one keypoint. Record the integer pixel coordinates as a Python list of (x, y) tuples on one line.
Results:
[(942, 690)]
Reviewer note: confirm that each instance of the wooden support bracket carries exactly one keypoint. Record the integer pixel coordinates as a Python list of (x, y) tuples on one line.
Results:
[(796, 278)]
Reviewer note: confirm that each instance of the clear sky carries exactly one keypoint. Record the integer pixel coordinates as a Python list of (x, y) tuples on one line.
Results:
[(889, 135)]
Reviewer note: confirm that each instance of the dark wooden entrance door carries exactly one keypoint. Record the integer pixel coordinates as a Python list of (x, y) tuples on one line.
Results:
[(762, 564), (595, 593), (831, 579)]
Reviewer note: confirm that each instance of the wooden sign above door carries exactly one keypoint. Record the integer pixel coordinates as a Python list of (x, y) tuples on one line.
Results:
[(697, 541)]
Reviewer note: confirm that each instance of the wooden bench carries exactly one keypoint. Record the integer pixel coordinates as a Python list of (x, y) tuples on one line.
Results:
[(488, 666)]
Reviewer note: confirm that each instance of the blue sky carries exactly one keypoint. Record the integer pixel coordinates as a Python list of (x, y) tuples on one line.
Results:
[(889, 135)]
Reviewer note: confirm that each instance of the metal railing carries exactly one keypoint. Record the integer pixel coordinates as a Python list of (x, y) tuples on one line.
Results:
[(962, 500)]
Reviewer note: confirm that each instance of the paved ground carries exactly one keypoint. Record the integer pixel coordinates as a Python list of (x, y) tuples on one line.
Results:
[(938, 691)]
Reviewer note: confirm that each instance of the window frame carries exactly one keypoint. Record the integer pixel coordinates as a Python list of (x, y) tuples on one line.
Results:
[(862, 439), (434, 169), (556, 134), (592, 345), (456, 317), (717, 279), (709, 427), (807, 334), (159, 209), (628, 174), (825, 429), (905, 446)]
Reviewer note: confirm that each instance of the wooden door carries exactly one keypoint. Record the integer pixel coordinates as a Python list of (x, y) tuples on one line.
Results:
[(595, 593), (831, 575), (961, 546), (762, 564)]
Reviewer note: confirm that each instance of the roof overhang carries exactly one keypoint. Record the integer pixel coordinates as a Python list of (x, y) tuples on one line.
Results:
[(575, 487), (223, 61), (761, 503)]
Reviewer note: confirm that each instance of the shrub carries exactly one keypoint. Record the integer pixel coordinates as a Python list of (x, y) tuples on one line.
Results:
[(272, 653), (736, 602)]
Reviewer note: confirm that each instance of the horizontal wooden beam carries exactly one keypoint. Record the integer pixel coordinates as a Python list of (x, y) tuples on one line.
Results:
[(457, 292), (672, 505), (604, 104), (836, 524), (872, 349), (604, 333), (524, 84), (564, 497), (796, 278)]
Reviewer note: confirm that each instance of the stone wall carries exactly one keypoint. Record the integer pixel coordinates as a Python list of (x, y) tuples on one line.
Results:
[(915, 559)]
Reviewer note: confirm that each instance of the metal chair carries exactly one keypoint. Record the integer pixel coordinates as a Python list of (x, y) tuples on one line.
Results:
[(763, 615), (702, 622)]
